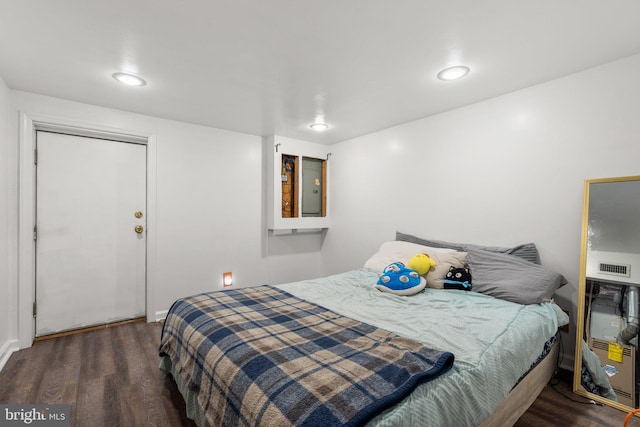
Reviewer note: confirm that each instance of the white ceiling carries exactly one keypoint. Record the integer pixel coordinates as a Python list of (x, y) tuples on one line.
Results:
[(271, 66)]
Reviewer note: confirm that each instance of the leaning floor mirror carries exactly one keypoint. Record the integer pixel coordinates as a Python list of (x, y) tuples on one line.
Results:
[(606, 360)]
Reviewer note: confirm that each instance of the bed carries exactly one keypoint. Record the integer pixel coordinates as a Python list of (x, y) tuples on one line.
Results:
[(466, 358)]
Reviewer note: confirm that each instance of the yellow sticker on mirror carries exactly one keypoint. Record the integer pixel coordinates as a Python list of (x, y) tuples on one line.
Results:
[(615, 352)]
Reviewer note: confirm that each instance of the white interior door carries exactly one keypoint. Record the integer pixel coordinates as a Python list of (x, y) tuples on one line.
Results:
[(90, 259)]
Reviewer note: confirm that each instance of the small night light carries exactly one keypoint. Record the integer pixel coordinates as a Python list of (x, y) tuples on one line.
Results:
[(227, 279)]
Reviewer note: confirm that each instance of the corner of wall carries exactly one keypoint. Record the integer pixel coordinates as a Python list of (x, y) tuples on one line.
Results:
[(6, 350), (8, 225)]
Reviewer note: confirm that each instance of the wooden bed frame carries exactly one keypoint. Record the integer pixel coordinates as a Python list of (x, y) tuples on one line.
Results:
[(525, 393)]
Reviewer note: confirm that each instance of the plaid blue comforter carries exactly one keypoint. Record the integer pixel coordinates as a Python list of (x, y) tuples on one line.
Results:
[(260, 356)]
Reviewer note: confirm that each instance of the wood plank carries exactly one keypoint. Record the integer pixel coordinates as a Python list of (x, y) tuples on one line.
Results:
[(89, 409), (112, 396), (72, 364)]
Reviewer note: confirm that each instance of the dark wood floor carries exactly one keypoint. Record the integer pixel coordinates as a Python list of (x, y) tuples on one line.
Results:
[(557, 405), (111, 377)]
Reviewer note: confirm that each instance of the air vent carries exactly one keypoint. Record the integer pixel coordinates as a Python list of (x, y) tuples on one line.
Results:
[(604, 345), (622, 392), (621, 270)]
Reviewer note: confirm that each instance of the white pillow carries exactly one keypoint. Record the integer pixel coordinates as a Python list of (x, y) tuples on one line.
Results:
[(395, 251), (444, 260)]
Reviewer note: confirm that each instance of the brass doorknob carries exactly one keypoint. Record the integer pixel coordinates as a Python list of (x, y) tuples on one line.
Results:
[(139, 229), (138, 214)]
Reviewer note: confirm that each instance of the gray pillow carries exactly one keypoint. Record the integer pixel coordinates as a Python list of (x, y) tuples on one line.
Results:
[(527, 251), (510, 278)]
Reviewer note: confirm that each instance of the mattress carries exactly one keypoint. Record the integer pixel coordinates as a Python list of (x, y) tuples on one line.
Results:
[(495, 342)]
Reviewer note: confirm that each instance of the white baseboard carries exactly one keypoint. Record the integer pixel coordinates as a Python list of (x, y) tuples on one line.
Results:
[(6, 350), (161, 315)]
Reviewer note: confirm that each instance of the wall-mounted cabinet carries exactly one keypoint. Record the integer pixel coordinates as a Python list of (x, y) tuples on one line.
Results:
[(297, 186)]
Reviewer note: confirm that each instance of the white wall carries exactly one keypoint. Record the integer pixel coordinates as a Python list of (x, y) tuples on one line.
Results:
[(209, 204), (505, 171), (8, 230)]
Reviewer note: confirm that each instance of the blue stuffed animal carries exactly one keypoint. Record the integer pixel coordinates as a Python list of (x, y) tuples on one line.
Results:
[(400, 280)]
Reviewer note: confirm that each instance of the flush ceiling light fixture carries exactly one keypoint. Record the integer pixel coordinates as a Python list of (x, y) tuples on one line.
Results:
[(319, 126), (454, 73), (129, 79)]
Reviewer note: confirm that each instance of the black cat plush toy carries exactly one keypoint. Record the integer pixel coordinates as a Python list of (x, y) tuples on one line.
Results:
[(458, 278)]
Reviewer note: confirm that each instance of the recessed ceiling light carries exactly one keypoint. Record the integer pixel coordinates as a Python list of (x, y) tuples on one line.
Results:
[(319, 126), (129, 79), (454, 73)]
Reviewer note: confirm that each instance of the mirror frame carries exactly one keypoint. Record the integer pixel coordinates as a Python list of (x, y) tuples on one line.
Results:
[(577, 387)]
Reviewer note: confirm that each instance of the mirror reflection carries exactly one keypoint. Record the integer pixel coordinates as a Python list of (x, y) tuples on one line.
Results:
[(610, 286)]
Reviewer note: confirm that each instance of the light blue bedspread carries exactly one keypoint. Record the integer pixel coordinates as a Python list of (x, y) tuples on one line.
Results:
[(494, 342)]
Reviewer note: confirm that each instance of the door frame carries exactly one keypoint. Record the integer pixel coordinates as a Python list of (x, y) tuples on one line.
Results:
[(29, 124)]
